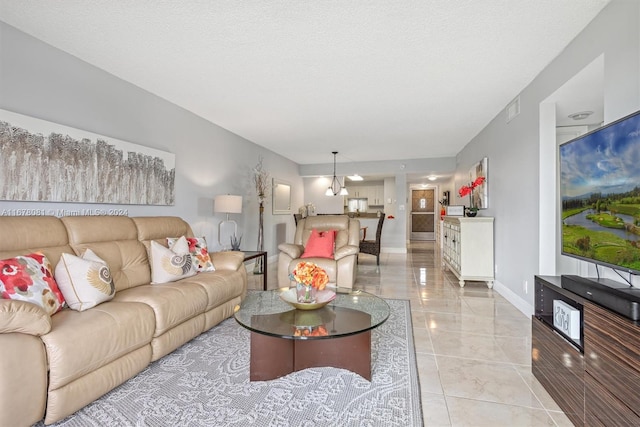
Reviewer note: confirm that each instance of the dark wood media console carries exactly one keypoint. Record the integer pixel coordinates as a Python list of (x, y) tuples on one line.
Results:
[(595, 379)]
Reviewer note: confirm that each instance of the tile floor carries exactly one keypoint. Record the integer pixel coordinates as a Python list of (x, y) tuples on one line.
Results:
[(472, 345)]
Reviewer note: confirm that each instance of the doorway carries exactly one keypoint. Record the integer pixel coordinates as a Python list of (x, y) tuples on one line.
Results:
[(423, 215)]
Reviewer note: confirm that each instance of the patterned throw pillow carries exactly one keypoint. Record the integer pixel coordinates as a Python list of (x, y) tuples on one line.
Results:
[(169, 265), (28, 278), (199, 252), (85, 282)]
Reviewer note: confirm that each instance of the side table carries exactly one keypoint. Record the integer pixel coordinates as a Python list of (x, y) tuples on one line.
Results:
[(249, 255)]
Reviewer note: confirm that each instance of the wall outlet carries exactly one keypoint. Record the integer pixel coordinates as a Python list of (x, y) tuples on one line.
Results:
[(495, 269), (525, 286)]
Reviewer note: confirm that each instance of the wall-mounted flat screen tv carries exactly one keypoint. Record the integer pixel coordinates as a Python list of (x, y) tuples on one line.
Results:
[(600, 195)]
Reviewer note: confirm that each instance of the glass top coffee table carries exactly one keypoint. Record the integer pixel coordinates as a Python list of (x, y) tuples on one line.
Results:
[(285, 340)]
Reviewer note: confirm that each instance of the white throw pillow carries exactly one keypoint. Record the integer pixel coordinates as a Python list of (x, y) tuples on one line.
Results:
[(199, 252), (169, 265), (85, 282)]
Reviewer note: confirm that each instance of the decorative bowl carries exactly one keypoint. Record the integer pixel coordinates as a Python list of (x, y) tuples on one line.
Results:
[(323, 298)]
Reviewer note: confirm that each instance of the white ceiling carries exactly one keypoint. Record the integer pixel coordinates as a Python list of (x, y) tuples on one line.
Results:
[(414, 79), (584, 92)]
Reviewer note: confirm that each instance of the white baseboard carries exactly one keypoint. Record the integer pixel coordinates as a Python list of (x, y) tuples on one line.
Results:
[(513, 298)]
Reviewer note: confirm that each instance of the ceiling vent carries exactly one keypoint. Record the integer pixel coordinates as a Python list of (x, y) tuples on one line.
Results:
[(513, 109)]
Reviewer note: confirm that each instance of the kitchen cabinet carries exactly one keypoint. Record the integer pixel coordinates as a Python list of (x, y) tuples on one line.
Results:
[(376, 195), (373, 193), (359, 192)]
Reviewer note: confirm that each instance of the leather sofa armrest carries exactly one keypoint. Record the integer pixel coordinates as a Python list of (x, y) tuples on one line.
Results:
[(23, 317), (294, 251), (227, 260), (345, 250)]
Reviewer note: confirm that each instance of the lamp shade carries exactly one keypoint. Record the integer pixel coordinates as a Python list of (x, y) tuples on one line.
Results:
[(226, 203)]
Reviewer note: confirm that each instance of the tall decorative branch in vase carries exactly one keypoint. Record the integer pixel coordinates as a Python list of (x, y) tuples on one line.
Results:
[(261, 181)]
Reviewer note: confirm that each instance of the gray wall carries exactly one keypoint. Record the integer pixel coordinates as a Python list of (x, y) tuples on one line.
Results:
[(43, 82), (513, 148)]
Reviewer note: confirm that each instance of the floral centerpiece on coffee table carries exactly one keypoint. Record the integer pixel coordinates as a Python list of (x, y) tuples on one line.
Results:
[(309, 279)]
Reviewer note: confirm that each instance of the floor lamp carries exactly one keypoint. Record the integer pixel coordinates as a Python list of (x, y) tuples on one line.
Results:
[(227, 204)]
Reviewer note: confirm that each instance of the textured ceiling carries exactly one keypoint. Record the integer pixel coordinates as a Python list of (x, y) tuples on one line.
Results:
[(414, 79)]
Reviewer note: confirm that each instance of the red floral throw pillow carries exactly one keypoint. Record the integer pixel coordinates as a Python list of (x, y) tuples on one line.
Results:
[(320, 244), (29, 278)]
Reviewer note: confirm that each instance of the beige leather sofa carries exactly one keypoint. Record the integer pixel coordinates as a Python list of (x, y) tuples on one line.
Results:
[(342, 268), (51, 366)]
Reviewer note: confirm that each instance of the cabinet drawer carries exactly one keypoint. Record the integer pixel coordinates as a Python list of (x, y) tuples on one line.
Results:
[(559, 368), (604, 409), (549, 350), (612, 353)]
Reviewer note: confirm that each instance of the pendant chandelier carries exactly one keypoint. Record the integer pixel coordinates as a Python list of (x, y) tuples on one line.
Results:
[(336, 188)]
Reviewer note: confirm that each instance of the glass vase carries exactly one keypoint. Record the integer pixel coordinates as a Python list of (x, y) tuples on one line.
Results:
[(306, 293)]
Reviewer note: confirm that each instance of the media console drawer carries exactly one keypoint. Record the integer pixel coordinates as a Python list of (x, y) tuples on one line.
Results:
[(600, 372), (558, 366), (613, 345), (603, 408)]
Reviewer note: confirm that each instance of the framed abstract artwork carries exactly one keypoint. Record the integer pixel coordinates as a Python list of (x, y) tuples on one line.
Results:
[(45, 161)]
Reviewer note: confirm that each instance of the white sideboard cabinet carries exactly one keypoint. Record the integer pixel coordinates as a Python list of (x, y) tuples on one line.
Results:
[(468, 248)]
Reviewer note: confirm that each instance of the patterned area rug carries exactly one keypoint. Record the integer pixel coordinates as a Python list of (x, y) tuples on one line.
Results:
[(206, 383)]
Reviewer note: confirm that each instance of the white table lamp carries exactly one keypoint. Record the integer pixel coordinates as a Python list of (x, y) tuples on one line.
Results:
[(228, 204)]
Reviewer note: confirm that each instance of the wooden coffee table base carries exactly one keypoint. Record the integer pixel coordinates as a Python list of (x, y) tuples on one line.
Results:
[(273, 357)]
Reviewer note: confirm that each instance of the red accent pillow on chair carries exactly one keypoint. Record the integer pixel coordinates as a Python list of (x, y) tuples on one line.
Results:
[(320, 244)]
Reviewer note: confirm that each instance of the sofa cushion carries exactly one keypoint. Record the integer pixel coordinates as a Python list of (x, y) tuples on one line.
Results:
[(24, 318), (84, 281), (28, 234), (221, 286), (115, 240), (320, 244), (169, 265), (172, 303), (29, 278), (199, 252), (81, 342), (160, 227), (227, 260)]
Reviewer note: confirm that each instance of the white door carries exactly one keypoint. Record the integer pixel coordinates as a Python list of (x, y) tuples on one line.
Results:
[(423, 214)]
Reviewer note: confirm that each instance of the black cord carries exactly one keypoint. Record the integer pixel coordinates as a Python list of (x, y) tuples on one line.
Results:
[(597, 271)]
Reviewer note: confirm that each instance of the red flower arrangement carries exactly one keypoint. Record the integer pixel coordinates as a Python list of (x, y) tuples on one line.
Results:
[(466, 190)]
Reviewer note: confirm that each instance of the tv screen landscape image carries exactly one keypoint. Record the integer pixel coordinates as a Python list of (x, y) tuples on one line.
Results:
[(600, 195)]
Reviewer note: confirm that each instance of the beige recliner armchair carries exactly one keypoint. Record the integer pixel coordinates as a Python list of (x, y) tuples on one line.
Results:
[(342, 268)]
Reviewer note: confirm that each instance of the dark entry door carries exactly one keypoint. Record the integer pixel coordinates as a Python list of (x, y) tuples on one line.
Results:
[(423, 214)]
